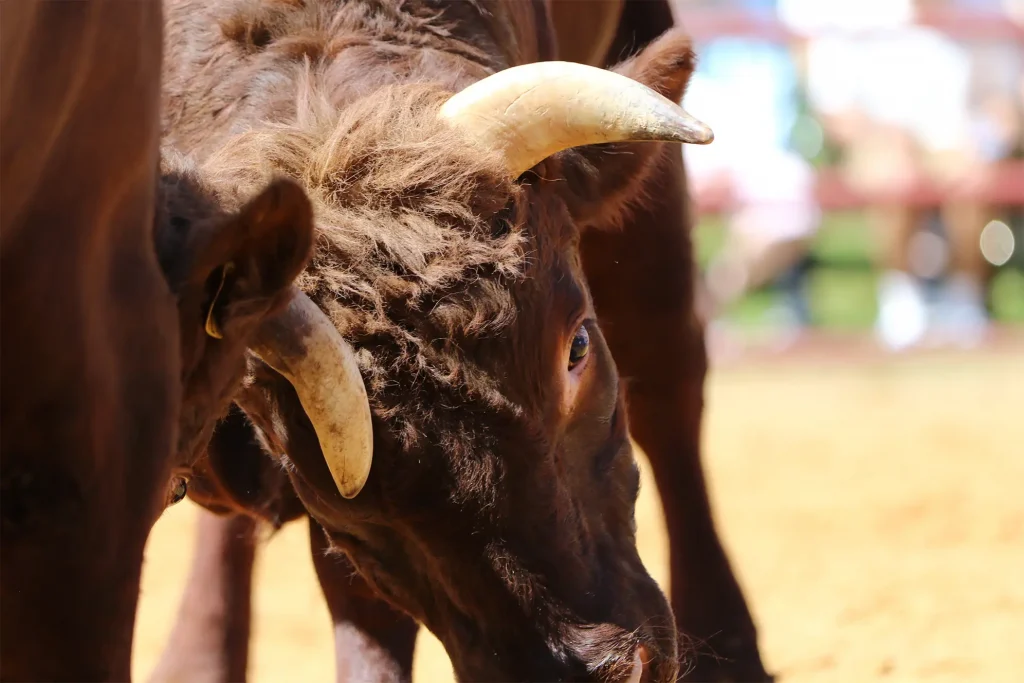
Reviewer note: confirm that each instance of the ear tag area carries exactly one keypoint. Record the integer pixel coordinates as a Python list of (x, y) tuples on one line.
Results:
[(212, 326)]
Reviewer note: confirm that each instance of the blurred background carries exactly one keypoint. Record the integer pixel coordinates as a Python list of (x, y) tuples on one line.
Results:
[(866, 183), (861, 243)]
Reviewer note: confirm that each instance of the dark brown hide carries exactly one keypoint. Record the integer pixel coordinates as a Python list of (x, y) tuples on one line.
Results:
[(498, 511), (266, 236), (90, 364), (108, 384), (584, 29), (641, 278)]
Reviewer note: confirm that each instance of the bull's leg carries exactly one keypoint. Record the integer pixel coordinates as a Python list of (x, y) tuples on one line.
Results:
[(210, 640), (642, 280), (373, 643)]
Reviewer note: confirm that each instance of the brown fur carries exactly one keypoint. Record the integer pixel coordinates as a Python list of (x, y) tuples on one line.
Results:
[(268, 239), (450, 280), (458, 287)]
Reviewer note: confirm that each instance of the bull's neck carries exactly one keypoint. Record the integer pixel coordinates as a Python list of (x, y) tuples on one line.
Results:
[(453, 42)]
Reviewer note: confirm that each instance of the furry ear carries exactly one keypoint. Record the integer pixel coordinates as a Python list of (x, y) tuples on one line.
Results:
[(229, 268), (256, 254), (602, 180)]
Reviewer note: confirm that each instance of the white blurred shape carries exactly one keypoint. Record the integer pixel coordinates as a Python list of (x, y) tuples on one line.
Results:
[(1014, 9), (959, 316), (775, 192), (741, 86), (902, 314), (914, 78), (811, 16), (997, 243)]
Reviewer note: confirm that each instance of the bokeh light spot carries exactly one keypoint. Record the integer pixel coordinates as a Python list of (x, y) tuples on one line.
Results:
[(997, 243)]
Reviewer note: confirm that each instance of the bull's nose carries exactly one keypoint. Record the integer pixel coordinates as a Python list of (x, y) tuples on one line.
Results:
[(640, 659)]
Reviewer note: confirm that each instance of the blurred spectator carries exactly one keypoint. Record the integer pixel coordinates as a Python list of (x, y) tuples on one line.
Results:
[(905, 105), (995, 133), (904, 102), (745, 87), (897, 100)]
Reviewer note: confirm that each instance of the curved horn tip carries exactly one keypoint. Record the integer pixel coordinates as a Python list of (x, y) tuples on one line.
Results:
[(350, 483), (687, 130), (529, 112), (702, 135), (351, 491), (303, 345)]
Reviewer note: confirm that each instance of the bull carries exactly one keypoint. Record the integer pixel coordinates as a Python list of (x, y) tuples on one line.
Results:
[(131, 286), (498, 508)]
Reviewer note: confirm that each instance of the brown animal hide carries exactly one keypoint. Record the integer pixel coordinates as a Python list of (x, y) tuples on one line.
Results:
[(109, 384), (482, 516)]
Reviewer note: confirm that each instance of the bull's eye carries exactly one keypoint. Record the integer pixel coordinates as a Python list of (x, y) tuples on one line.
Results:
[(580, 347), (179, 491)]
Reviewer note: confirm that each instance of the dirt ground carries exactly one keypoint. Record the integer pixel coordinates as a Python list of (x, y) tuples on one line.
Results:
[(875, 513)]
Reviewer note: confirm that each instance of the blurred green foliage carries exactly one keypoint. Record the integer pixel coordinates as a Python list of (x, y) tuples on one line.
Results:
[(841, 283), (1006, 295)]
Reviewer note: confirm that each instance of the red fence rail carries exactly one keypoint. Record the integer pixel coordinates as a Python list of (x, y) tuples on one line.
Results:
[(1000, 184)]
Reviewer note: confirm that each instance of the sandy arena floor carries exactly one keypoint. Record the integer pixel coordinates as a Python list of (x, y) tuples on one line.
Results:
[(874, 511)]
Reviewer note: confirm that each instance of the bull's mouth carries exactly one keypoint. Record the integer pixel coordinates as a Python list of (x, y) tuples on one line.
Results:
[(495, 648), (602, 653), (491, 645), (503, 645), (637, 667)]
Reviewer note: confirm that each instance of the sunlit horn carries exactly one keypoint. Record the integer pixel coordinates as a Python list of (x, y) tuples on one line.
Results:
[(304, 346), (530, 112)]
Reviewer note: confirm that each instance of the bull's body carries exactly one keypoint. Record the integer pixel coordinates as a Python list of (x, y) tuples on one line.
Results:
[(109, 384), (640, 278), (85, 387)]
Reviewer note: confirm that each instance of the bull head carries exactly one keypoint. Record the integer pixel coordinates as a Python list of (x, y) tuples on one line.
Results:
[(527, 112), (532, 111)]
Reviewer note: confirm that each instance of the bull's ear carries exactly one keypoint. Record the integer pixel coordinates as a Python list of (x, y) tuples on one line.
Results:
[(602, 180), (255, 255)]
